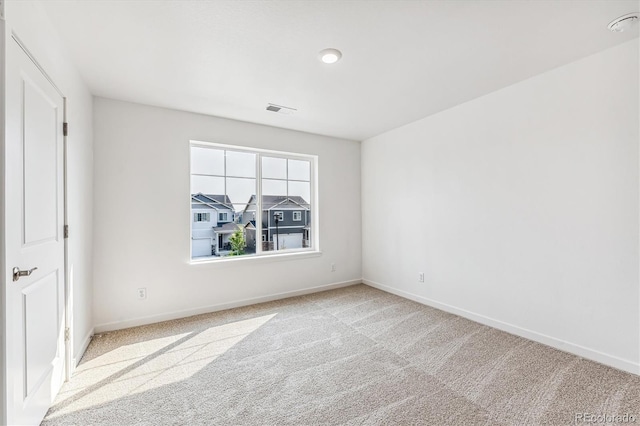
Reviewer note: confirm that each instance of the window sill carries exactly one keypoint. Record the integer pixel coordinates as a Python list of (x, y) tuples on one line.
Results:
[(256, 259)]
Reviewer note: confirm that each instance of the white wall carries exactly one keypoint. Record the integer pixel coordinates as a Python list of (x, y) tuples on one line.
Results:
[(142, 167), (527, 208), (28, 21)]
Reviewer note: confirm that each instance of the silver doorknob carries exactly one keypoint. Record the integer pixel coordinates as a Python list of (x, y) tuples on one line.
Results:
[(17, 273)]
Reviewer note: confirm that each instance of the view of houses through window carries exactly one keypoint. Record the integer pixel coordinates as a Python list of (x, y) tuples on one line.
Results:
[(246, 202)]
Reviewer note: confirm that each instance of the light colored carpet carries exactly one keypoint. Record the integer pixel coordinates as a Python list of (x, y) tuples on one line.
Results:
[(350, 356)]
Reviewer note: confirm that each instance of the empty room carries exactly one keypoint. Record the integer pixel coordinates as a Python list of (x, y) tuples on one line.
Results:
[(317, 212)]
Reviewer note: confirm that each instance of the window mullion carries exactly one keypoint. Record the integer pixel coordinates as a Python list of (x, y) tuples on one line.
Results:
[(258, 206)]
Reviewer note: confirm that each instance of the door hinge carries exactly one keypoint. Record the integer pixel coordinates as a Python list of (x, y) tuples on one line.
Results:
[(66, 334), (66, 231), (65, 129)]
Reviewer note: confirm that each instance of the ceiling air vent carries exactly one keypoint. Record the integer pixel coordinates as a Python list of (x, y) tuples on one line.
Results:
[(280, 109)]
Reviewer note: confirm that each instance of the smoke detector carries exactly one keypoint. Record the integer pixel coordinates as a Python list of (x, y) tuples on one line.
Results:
[(624, 23), (280, 109)]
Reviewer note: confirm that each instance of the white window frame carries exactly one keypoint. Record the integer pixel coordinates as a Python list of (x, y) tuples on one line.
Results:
[(314, 248), (297, 214), (280, 216), (226, 217)]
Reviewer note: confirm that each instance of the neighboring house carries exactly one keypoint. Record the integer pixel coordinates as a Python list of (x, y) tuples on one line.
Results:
[(224, 232), (294, 220), (211, 218), (250, 236)]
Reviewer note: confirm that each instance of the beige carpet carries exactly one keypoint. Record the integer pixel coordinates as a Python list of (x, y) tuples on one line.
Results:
[(350, 356)]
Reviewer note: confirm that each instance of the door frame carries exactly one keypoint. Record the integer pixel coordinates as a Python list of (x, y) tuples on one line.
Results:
[(7, 36), (3, 271)]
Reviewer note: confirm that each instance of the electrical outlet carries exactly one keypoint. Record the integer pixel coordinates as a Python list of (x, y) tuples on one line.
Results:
[(333, 267), (421, 277), (142, 293)]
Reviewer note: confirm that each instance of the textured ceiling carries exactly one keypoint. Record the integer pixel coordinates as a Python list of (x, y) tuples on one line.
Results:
[(402, 60)]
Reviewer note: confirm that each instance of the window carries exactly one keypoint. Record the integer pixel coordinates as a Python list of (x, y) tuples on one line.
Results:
[(254, 187), (201, 217)]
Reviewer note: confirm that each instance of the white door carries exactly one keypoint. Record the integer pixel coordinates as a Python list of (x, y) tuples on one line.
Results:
[(34, 239)]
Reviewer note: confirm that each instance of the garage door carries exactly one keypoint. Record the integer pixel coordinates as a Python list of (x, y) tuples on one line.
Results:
[(289, 241), (201, 247)]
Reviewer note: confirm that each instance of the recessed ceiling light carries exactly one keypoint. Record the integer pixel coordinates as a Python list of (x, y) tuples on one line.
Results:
[(624, 23), (330, 56)]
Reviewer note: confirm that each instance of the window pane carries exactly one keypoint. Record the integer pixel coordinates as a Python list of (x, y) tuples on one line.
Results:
[(275, 168), (245, 213), (300, 189), (207, 161), (241, 164), (240, 190), (245, 217), (274, 187), (231, 240), (299, 170), (207, 185)]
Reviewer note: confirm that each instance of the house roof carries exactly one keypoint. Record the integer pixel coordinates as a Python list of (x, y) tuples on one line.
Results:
[(227, 228), (270, 202), (212, 200)]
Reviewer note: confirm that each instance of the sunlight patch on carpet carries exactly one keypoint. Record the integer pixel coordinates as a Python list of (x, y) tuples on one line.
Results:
[(138, 367)]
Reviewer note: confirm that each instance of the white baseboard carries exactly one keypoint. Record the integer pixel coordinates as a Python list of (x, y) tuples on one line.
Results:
[(563, 345), (134, 322), (85, 344)]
